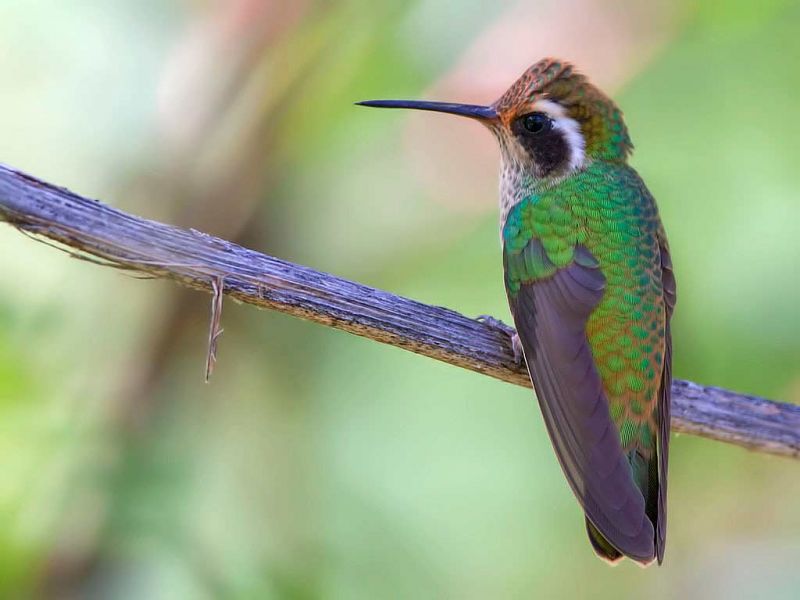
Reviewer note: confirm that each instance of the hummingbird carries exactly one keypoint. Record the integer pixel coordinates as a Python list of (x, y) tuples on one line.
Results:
[(591, 289)]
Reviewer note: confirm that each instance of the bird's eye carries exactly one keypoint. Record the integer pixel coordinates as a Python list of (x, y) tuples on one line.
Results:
[(536, 122)]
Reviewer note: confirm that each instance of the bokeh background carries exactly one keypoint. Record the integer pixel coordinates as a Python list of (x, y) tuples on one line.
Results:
[(317, 464)]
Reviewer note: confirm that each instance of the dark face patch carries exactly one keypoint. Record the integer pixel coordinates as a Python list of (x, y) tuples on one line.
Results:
[(546, 146)]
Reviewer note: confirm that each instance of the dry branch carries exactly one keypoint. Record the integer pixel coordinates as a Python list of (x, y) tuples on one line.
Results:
[(109, 236)]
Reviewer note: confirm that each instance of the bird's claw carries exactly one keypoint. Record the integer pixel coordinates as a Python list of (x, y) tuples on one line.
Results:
[(496, 324), (516, 344)]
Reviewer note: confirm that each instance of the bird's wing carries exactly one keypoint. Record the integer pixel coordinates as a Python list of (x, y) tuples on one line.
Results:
[(550, 314), (664, 398)]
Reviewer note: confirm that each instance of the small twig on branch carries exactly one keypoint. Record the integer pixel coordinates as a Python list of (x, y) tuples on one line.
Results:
[(92, 229), (215, 327)]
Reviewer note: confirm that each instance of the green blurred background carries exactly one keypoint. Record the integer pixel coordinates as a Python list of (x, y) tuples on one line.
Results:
[(320, 465)]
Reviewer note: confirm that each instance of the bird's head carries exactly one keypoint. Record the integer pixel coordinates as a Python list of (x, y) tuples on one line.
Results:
[(550, 123)]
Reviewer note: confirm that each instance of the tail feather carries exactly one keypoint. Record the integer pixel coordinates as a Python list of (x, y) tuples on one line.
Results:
[(602, 546), (645, 474)]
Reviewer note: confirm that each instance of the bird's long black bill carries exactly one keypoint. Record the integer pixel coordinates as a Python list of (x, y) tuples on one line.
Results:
[(472, 111)]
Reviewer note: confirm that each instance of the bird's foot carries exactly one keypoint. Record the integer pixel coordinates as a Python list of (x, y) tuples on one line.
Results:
[(516, 344), (496, 324)]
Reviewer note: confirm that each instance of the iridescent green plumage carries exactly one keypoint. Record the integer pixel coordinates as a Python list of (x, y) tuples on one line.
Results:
[(607, 209), (603, 218)]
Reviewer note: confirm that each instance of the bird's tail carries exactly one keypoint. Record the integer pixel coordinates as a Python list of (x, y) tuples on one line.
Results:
[(645, 475), (602, 546)]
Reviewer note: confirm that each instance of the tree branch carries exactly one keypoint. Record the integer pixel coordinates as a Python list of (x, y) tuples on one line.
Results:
[(93, 230)]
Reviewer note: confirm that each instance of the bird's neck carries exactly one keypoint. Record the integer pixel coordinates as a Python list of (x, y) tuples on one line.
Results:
[(518, 183)]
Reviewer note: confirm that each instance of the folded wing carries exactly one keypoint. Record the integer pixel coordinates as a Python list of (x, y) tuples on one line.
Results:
[(550, 315)]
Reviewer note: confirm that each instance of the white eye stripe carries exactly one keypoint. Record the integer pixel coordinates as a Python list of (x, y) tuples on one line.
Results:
[(553, 109), (571, 129)]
